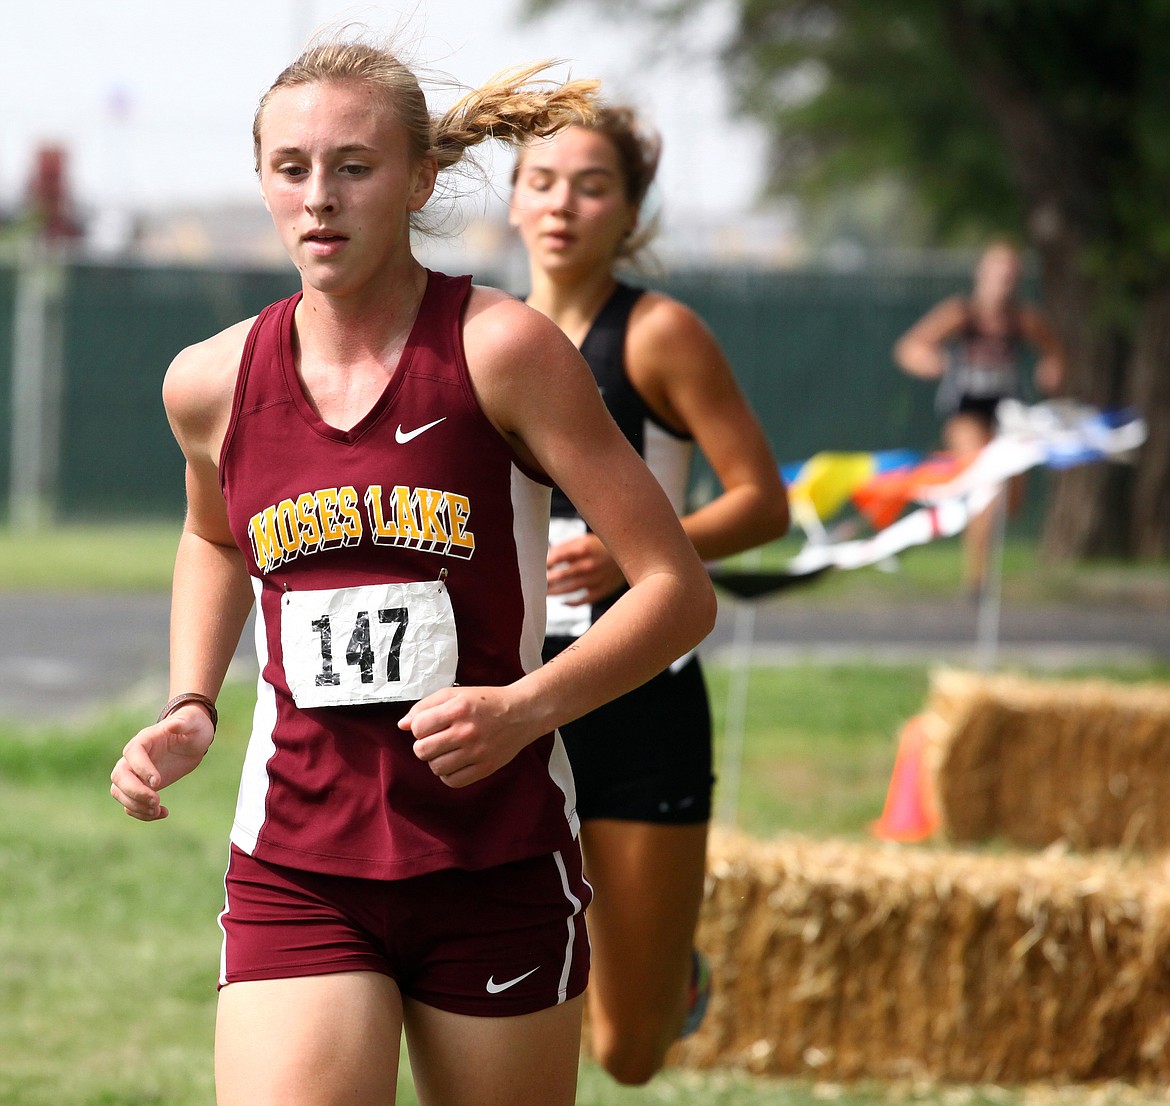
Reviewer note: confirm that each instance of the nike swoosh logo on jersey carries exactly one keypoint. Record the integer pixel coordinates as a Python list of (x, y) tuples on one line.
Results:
[(494, 988), (403, 436)]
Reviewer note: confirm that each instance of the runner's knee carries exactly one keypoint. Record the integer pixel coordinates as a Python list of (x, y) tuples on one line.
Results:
[(631, 1058)]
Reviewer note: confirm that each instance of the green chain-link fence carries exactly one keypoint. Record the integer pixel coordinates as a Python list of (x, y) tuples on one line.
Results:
[(811, 349)]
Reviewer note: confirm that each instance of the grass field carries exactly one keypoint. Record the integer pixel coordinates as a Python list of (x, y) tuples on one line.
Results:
[(92, 556), (108, 942)]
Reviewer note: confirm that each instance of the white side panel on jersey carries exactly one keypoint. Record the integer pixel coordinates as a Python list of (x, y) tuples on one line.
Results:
[(561, 773), (566, 617), (530, 506), (669, 458), (251, 802)]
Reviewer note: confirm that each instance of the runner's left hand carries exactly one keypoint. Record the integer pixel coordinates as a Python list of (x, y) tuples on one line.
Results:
[(583, 564), (466, 733)]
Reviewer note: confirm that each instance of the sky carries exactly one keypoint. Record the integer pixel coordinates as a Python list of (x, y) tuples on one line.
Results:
[(154, 98)]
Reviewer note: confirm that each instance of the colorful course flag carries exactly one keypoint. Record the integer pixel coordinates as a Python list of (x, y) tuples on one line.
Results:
[(946, 492)]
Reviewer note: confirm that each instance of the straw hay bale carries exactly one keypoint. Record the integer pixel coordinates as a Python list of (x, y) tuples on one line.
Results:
[(842, 961), (1036, 762)]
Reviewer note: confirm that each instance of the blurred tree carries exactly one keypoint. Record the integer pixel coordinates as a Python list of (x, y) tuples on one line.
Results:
[(1048, 119)]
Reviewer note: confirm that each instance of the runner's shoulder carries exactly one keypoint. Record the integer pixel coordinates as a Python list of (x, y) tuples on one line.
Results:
[(201, 379)]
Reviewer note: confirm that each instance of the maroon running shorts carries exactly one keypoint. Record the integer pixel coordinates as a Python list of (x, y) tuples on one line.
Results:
[(493, 943)]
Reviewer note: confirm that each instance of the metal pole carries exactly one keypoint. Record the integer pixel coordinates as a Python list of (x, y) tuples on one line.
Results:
[(987, 625), (735, 724), (37, 357)]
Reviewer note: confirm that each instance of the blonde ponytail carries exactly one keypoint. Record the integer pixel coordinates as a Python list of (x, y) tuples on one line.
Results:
[(513, 107)]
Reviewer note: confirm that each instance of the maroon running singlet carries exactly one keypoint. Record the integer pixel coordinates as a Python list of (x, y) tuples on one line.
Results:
[(389, 560)]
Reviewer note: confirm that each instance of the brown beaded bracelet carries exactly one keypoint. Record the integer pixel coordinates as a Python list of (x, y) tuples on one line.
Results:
[(191, 697)]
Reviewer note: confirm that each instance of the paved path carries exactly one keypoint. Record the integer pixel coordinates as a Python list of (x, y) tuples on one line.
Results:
[(63, 656), (948, 631)]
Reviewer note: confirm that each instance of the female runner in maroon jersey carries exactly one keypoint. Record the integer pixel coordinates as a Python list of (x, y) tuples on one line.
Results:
[(642, 763), (370, 462)]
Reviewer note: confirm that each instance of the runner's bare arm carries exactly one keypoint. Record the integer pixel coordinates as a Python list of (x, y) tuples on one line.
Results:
[(1050, 371), (210, 595), (677, 365), (539, 393), (919, 351), (678, 368)]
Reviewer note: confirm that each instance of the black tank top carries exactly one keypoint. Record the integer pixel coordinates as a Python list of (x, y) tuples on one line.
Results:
[(667, 453), (987, 363), (665, 450)]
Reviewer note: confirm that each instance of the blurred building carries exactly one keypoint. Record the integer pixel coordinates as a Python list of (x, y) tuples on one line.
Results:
[(48, 202), (463, 240)]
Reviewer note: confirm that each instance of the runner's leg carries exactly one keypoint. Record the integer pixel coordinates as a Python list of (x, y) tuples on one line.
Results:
[(965, 435), (459, 1060), (327, 1040), (648, 888)]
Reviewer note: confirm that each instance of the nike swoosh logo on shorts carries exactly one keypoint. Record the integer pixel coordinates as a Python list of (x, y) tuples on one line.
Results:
[(494, 988), (403, 436)]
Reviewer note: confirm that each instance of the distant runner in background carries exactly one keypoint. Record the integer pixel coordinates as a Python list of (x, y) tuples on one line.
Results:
[(975, 347), (642, 763)]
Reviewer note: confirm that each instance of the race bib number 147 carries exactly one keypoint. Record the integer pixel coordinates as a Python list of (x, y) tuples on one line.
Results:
[(380, 643)]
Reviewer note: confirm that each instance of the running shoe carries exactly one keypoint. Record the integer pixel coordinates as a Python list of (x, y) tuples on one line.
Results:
[(698, 993)]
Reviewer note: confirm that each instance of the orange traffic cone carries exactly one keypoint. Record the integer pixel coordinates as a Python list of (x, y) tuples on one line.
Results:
[(910, 813)]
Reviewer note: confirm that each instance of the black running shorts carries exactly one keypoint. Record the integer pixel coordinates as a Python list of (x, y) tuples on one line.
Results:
[(645, 757)]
